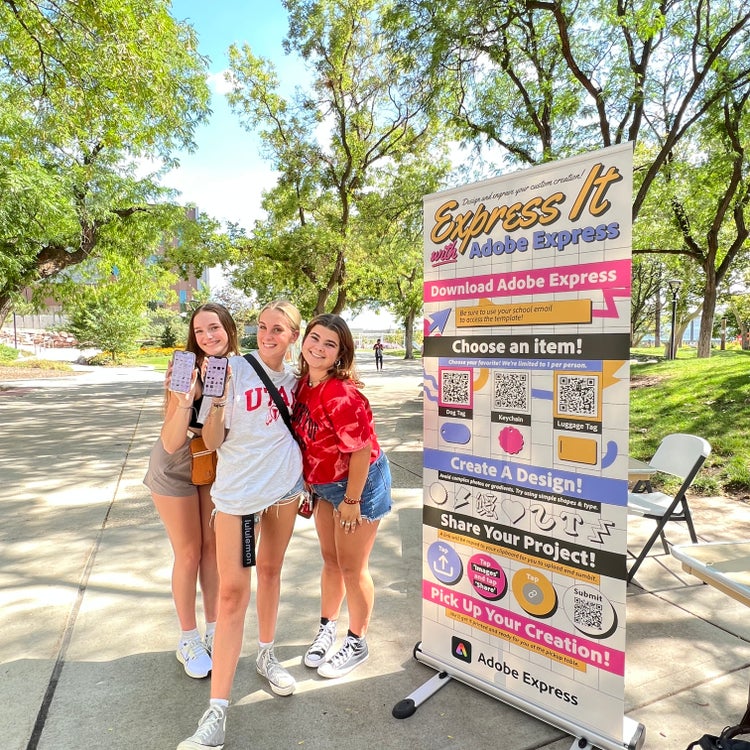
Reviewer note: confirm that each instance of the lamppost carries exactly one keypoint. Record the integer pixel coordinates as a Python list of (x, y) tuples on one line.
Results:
[(674, 287)]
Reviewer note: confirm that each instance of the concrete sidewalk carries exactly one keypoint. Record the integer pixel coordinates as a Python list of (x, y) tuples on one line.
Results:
[(89, 631)]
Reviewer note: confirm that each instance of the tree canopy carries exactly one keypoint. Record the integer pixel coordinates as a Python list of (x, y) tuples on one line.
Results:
[(363, 126), (92, 91), (541, 80)]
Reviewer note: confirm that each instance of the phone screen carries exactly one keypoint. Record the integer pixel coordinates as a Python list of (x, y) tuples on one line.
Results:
[(183, 364), (216, 373)]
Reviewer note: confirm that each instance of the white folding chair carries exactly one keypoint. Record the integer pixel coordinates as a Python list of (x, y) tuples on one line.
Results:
[(681, 456)]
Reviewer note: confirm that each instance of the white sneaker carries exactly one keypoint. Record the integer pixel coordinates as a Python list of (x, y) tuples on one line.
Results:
[(268, 666), (210, 732), (208, 642), (194, 656), (322, 646)]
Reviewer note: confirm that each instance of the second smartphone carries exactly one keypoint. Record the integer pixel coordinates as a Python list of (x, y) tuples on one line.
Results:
[(216, 375)]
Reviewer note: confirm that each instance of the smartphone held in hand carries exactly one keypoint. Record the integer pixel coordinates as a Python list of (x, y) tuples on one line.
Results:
[(183, 364), (215, 378)]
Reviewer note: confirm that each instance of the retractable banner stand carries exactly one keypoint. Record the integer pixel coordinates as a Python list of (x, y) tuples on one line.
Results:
[(526, 386)]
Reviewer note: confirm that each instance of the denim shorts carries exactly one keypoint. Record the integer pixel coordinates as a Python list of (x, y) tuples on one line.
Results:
[(293, 496), (376, 496)]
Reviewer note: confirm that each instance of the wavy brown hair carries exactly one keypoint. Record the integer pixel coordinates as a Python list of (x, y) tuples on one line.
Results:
[(343, 368)]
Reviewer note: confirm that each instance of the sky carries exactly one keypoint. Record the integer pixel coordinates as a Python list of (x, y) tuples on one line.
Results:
[(225, 176)]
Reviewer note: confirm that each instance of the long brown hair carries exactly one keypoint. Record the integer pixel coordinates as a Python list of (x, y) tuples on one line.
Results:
[(227, 322), (343, 368)]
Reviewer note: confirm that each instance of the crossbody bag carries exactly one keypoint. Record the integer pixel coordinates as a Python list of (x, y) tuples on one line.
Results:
[(307, 503)]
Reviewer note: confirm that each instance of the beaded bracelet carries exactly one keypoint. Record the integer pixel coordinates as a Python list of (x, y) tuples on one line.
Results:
[(350, 501), (219, 404)]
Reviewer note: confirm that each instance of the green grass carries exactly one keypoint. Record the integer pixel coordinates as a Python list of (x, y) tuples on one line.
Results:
[(706, 397), (39, 364), (157, 357), (158, 362)]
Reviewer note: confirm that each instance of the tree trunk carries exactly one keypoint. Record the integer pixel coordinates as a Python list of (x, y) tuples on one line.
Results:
[(5, 306), (707, 314), (409, 335)]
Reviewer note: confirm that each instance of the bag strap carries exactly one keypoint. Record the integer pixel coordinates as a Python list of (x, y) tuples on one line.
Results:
[(272, 390), (745, 720)]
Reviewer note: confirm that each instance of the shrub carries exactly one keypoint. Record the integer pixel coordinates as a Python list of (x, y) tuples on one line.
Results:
[(8, 354), (43, 364), (168, 337)]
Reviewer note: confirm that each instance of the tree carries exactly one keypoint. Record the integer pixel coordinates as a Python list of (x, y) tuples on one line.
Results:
[(645, 298), (542, 80), (107, 303), (393, 214), (697, 208), (330, 146), (101, 322), (738, 307), (90, 91), (242, 309)]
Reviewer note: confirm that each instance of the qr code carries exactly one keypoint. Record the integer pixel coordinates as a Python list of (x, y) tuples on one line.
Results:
[(587, 614), (455, 387), (510, 391), (578, 395)]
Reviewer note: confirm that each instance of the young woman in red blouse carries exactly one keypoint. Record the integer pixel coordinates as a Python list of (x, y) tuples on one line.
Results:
[(350, 476)]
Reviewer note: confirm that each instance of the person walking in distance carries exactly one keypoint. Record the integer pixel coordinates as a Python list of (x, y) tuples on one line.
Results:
[(378, 347), (185, 510), (257, 490), (351, 479)]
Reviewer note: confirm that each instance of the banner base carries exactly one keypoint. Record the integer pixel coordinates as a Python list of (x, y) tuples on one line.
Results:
[(405, 708), (633, 733)]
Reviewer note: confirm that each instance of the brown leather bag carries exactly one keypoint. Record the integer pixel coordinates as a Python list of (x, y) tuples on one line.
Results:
[(203, 469)]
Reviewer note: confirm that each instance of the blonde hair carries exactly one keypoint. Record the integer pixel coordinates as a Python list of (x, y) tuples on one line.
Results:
[(290, 312)]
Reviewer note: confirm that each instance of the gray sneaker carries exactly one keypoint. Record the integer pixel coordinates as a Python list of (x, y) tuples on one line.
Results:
[(210, 732), (351, 654), (267, 665), (322, 646)]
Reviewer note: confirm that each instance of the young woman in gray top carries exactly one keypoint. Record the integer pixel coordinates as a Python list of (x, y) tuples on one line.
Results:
[(185, 509)]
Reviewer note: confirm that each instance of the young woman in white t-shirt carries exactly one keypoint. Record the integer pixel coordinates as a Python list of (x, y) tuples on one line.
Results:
[(257, 490)]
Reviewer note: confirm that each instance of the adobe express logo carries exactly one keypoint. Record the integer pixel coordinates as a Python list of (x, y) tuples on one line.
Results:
[(461, 649)]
